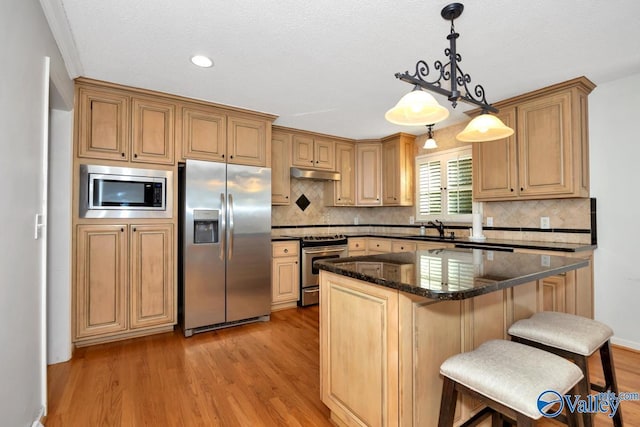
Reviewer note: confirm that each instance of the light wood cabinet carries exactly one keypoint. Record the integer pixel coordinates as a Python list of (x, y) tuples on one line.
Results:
[(548, 155), (357, 246), (343, 192), (125, 280), (313, 152), (553, 291), (280, 168), (398, 157), (378, 246), (102, 124), (100, 294), (112, 125), (403, 246), (249, 141), (152, 131), (152, 276), (359, 357), (369, 174), (204, 133), (285, 275)]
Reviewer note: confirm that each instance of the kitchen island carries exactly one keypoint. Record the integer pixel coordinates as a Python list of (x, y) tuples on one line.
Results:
[(387, 322)]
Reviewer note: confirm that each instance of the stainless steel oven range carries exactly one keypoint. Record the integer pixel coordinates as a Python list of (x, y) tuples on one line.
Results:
[(316, 248)]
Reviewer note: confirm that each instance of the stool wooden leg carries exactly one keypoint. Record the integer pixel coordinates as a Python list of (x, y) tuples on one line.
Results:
[(447, 403), (524, 421), (610, 378), (584, 387)]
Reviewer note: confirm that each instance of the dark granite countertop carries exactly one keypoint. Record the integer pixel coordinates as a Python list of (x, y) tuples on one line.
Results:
[(451, 274), (465, 242)]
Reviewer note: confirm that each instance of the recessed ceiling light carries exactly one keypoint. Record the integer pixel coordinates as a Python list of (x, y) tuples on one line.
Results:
[(202, 61)]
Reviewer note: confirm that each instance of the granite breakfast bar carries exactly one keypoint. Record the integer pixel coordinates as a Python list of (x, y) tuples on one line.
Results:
[(387, 322)]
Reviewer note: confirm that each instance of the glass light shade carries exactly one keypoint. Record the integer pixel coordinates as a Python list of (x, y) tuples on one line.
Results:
[(201, 61), (485, 127), (430, 144), (417, 108)]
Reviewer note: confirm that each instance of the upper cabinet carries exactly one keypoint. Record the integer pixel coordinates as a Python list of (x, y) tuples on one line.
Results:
[(343, 192), (152, 131), (136, 125), (116, 126), (280, 168), (369, 174), (548, 155), (398, 158), (313, 152)]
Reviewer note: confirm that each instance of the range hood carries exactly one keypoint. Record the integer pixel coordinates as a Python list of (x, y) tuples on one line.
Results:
[(314, 174)]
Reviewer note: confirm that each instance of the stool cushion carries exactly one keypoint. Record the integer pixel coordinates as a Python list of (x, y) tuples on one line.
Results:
[(564, 331), (512, 374)]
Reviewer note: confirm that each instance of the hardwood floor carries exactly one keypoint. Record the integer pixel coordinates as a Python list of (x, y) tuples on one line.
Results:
[(262, 374)]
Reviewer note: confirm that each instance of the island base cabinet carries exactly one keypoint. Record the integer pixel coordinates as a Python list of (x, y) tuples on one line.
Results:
[(359, 361)]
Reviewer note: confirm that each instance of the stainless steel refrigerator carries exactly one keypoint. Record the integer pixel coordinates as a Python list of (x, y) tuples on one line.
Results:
[(225, 251)]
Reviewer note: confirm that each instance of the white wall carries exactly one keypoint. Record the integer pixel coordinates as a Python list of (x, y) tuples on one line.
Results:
[(614, 111), (26, 40)]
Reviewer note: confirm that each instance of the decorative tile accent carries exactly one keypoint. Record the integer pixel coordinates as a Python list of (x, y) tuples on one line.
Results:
[(302, 202)]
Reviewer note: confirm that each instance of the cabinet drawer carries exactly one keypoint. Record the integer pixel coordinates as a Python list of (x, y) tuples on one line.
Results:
[(379, 245), (282, 249), (403, 246), (357, 244)]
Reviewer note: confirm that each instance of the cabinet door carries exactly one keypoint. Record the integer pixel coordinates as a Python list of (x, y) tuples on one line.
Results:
[(100, 291), (324, 154), (286, 280), (247, 142), (153, 131), (553, 294), (368, 175), (302, 151), (545, 146), (345, 189), (280, 168), (204, 134), (152, 277), (103, 125), (495, 167), (390, 173)]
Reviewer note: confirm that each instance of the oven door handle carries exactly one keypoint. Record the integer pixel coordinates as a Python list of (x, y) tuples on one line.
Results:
[(322, 251)]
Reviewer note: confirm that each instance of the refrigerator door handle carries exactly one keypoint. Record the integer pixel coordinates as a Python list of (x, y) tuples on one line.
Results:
[(231, 230), (223, 226)]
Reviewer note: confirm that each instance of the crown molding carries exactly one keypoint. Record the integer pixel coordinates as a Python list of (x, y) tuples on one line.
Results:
[(59, 25)]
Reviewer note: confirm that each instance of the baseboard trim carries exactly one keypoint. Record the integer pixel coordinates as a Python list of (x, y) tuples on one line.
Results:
[(625, 345)]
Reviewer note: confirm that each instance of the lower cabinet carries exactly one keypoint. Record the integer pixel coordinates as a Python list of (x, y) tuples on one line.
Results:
[(125, 281), (285, 275)]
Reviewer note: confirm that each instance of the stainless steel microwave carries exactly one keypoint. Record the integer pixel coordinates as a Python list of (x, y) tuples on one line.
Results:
[(115, 192)]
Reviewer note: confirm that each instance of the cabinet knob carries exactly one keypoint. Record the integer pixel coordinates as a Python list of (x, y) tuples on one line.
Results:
[(122, 154), (311, 161), (357, 245), (231, 156), (286, 197), (286, 251), (121, 229), (521, 188), (295, 262), (512, 190), (223, 156), (135, 155), (134, 229), (377, 245)]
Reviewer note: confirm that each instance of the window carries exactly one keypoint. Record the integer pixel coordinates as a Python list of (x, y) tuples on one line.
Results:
[(444, 186)]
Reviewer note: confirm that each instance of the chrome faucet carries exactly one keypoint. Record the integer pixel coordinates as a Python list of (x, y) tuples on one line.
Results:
[(439, 226)]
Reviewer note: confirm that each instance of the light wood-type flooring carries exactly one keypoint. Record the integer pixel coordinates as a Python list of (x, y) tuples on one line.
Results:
[(262, 374)]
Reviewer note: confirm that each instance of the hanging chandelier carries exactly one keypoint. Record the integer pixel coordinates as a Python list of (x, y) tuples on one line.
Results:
[(419, 108)]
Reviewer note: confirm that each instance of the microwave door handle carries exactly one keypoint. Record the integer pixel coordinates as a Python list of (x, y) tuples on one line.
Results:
[(231, 226), (223, 227)]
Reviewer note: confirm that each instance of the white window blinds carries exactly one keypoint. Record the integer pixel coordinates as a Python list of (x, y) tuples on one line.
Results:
[(444, 185)]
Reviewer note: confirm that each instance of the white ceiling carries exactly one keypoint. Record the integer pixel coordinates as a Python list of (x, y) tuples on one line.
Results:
[(328, 65)]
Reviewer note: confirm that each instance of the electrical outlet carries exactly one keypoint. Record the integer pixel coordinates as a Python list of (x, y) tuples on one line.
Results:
[(412, 219), (545, 260), (489, 255), (544, 222), (489, 221)]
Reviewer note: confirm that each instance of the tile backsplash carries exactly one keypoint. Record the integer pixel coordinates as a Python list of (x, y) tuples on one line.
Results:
[(567, 214)]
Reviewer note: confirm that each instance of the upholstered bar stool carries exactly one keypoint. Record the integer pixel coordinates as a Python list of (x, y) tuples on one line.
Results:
[(511, 379), (575, 338)]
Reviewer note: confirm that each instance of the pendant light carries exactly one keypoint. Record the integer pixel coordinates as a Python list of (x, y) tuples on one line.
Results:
[(416, 109), (485, 127), (430, 143)]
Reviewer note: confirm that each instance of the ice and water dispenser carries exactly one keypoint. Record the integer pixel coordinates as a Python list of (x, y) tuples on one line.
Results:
[(205, 226)]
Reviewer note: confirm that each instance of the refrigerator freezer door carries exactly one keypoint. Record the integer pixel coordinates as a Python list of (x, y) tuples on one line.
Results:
[(249, 242), (204, 266)]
